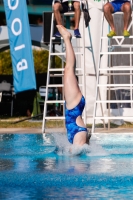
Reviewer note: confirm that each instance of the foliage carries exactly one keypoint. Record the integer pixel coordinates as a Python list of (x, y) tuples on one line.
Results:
[(5, 63), (40, 62), (9, 123)]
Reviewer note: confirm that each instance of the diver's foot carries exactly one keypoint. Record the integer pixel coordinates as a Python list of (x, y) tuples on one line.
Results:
[(126, 33), (111, 34), (63, 31)]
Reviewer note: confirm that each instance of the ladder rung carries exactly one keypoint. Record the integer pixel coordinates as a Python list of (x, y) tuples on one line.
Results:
[(57, 54), (60, 85), (115, 85), (62, 69), (55, 38), (56, 85), (118, 13), (121, 45), (117, 74), (69, 13), (55, 69), (57, 117), (116, 69), (60, 75), (116, 37), (114, 117), (118, 88), (79, 47), (55, 101), (56, 75), (114, 101), (116, 53)]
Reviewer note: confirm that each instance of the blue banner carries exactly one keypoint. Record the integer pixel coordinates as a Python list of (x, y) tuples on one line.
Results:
[(20, 45)]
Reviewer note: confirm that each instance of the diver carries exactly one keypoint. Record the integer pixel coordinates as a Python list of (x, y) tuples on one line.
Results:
[(77, 132)]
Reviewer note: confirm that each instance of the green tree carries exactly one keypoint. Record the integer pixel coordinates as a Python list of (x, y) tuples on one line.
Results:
[(40, 62), (5, 63)]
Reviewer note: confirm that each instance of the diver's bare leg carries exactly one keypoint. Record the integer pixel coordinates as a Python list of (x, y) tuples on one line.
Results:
[(71, 89)]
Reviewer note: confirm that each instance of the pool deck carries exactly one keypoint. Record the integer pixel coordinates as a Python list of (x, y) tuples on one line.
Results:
[(59, 130)]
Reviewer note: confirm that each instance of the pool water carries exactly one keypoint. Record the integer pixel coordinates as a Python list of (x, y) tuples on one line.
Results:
[(38, 166)]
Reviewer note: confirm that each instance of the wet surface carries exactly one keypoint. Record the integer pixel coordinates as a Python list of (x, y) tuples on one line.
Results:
[(38, 166)]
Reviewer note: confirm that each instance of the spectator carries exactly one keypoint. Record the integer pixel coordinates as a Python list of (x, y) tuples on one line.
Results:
[(116, 6), (63, 7)]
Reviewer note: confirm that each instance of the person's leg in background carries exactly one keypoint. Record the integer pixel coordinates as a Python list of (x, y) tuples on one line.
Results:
[(57, 7), (108, 10), (112, 7), (77, 10), (126, 9)]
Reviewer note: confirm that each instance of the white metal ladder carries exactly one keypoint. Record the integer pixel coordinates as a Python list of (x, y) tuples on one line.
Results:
[(80, 71), (108, 71)]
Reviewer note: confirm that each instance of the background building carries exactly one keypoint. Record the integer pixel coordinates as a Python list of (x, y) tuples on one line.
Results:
[(35, 10)]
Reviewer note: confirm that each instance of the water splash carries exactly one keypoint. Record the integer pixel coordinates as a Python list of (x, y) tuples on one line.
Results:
[(96, 148), (63, 147)]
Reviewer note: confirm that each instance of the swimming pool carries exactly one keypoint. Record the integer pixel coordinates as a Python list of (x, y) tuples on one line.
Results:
[(33, 167)]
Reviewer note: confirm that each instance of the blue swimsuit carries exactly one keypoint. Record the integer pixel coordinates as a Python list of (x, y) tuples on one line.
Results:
[(71, 116), (117, 4)]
